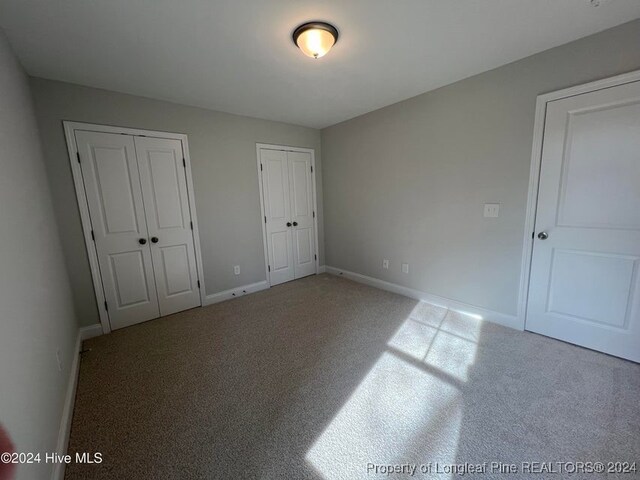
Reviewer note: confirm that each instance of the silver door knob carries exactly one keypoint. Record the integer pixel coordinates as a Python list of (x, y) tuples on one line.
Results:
[(543, 235)]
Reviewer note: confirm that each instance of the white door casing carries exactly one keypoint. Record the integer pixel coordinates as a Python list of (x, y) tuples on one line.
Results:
[(288, 203), (584, 284), (164, 190), (112, 185)]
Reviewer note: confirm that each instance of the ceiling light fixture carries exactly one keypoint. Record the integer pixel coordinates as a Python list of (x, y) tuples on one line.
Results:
[(315, 39)]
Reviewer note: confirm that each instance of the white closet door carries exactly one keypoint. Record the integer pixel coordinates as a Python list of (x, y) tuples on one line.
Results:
[(164, 189), (275, 180), (302, 214), (585, 278), (112, 185)]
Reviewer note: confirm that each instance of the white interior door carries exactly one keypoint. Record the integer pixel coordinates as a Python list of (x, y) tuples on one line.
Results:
[(302, 214), (584, 285), (112, 186), (164, 190), (277, 210)]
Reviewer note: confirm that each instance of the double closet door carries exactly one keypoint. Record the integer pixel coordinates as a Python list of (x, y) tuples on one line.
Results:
[(136, 192), (289, 213)]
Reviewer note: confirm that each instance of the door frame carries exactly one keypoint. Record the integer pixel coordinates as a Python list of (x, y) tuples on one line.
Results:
[(534, 174), (72, 148), (286, 148)]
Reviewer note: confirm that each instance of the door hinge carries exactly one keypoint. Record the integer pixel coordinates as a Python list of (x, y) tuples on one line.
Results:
[(314, 214), (311, 168), (184, 163), (265, 219), (260, 167), (106, 306), (198, 283), (315, 257), (533, 234), (269, 267), (78, 155), (93, 237), (191, 223)]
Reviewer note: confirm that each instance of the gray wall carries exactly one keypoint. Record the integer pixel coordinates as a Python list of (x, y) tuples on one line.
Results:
[(223, 159), (408, 182), (36, 310)]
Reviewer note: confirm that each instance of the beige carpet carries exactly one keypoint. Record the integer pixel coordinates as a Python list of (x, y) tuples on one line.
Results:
[(323, 378)]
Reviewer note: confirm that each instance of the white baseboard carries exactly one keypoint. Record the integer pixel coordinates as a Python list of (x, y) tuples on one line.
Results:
[(90, 331), (490, 315), (235, 292), (69, 400)]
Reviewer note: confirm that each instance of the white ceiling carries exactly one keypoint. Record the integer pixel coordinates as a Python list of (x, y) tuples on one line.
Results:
[(237, 55)]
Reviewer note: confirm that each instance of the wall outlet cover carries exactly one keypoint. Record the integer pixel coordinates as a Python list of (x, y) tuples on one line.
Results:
[(405, 268), (491, 210), (236, 269), (385, 264)]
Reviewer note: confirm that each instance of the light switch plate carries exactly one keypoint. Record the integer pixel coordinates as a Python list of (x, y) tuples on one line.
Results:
[(491, 210), (405, 268), (385, 264)]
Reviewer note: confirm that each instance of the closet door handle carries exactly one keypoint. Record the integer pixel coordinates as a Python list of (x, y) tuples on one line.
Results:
[(295, 224), (288, 224), (142, 241), (154, 239)]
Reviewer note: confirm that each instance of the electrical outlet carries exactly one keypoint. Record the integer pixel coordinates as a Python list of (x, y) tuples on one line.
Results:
[(59, 360), (385, 264), (236, 269), (491, 210), (405, 268)]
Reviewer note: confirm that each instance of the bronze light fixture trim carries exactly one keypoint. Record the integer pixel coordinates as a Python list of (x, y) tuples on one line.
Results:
[(315, 39)]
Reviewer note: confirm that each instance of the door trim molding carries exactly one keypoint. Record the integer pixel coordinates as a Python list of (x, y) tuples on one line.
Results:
[(534, 173), (286, 148), (72, 148)]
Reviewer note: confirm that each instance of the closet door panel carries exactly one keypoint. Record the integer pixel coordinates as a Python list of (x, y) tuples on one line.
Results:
[(112, 185), (164, 189), (277, 205), (302, 213)]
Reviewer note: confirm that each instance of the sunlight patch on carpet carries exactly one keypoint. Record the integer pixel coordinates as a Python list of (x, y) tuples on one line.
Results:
[(409, 407)]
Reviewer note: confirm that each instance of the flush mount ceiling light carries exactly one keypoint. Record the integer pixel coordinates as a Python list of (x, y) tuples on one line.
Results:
[(315, 39)]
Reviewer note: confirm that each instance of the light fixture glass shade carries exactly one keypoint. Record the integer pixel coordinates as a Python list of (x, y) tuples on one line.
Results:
[(315, 39)]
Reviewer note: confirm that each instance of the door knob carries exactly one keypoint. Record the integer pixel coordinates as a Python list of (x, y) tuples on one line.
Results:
[(543, 235), (288, 224), (142, 241), (154, 239), (295, 224)]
